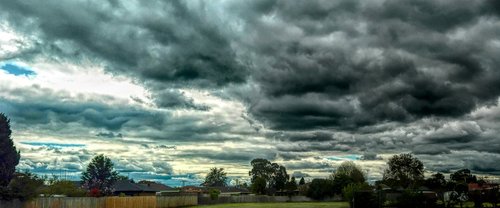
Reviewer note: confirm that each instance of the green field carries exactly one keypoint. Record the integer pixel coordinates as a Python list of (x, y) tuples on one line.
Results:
[(281, 205)]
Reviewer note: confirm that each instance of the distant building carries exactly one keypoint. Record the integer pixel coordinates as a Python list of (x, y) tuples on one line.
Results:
[(482, 187), (230, 190), (192, 189), (157, 186), (139, 189), (224, 190)]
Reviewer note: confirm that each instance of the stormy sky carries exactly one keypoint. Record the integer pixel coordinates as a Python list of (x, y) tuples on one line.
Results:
[(168, 89)]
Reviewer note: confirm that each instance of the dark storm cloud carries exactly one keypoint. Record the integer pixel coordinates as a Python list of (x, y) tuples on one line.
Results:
[(176, 99), (172, 43), (229, 155), (477, 162), (310, 165), (370, 156), (94, 115), (453, 132), (350, 64), (314, 146), (109, 135), (41, 109), (484, 164), (299, 174), (430, 150), (343, 64), (318, 136)]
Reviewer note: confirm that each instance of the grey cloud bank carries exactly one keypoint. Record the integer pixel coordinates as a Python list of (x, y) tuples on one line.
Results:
[(299, 81)]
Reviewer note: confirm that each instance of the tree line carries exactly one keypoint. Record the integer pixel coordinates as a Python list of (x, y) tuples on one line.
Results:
[(404, 174)]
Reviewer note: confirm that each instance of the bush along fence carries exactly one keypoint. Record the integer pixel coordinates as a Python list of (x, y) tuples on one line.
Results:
[(105, 202), (205, 199)]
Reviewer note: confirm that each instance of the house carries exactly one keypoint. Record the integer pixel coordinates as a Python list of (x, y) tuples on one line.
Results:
[(230, 190), (161, 189), (192, 189), (156, 186), (131, 189), (481, 187)]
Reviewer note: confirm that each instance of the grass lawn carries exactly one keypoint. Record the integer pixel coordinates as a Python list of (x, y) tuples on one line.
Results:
[(281, 205)]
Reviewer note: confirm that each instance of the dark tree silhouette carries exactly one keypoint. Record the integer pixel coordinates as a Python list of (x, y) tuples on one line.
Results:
[(347, 173), (404, 170), (280, 177), (261, 168), (353, 171), (291, 186), (216, 177), (9, 156), (463, 176), (259, 185), (302, 181), (274, 174), (436, 182), (320, 188), (100, 175)]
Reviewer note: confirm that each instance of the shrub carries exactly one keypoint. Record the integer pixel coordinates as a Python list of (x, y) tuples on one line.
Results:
[(25, 186), (6, 194), (353, 191), (259, 185), (95, 192), (214, 193), (320, 189), (410, 198), (64, 187)]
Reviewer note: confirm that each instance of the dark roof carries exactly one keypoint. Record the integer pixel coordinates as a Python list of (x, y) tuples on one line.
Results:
[(127, 186), (156, 186), (226, 189), (193, 187)]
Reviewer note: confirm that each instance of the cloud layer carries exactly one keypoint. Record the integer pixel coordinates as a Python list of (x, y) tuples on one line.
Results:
[(224, 82)]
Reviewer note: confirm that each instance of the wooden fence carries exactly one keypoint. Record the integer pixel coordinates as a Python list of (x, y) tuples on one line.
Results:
[(15, 203), (113, 202), (205, 199)]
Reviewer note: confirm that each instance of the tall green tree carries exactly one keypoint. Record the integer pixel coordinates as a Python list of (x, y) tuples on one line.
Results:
[(404, 170), (436, 182), (280, 177), (352, 170), (463, 176), (320, 188), (347, 173), (216, 177), (291, 185), (259, 185), (9, 156), (100, 175), (274, 174), (261, 168)]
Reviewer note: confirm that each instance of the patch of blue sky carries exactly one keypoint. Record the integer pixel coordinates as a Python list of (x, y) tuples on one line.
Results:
[(17, 69), (169, 180), (43, 172), (344, 157), (53, 144)]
